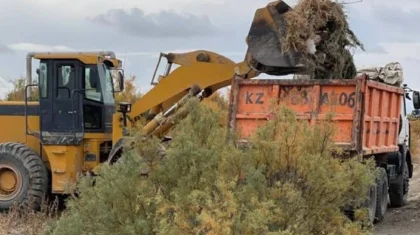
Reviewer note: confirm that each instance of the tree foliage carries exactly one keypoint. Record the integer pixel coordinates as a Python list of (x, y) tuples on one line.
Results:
[(219, 104), (130, 93), (286, 182), (18, 91)]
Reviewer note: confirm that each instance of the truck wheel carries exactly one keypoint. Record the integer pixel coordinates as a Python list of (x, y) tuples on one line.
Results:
[(382, 197), (23, 177), (371, 203), (398, 189)]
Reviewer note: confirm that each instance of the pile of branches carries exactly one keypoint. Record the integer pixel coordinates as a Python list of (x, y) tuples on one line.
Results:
[(322, 25)]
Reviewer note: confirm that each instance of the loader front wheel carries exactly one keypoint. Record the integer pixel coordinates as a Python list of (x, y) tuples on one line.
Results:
[(23, 177)]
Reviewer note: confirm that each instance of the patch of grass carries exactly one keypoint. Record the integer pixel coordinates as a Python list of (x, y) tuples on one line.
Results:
[(19, 220)]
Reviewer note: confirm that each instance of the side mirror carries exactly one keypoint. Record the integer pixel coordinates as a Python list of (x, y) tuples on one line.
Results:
[(121, 80), (118, 78), (94, 80), (416, 99)]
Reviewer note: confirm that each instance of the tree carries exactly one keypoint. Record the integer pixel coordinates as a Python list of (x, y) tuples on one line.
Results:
[(18, 92), (130, 93)]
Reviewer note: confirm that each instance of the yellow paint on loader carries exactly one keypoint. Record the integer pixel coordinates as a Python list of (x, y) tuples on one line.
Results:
[(74, 128)]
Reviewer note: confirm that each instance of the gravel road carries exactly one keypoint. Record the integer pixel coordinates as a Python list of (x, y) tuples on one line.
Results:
[(405, 220)]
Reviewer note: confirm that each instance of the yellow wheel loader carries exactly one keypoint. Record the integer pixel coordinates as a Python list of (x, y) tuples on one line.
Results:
[(47, 143), (74, 126)]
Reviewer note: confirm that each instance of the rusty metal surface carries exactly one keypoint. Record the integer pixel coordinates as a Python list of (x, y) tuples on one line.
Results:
[(312, 100), (233, 100), (357, 131), (302, 82)]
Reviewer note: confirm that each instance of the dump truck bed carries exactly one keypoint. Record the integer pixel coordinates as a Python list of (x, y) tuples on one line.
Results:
[(366, 112)]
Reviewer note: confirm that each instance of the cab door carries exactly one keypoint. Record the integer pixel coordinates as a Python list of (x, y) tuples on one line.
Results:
[(404, 125), (64, 125)]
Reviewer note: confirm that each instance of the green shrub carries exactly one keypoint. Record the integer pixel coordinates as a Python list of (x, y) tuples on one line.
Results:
[(286, 182)]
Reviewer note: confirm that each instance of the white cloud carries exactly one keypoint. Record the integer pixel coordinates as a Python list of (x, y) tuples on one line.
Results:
[(163, 24), (5, 49), (5, 87), (367, 6), (391, 52), (37, 47), (82, 8)]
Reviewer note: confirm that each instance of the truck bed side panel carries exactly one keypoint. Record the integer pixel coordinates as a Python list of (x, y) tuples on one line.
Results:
[(382, 108), (365, 112)]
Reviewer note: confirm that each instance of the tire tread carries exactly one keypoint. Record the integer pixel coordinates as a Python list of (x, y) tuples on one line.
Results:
[(38, 174)]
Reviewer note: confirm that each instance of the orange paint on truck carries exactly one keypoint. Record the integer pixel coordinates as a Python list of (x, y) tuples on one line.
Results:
[(366, 112)]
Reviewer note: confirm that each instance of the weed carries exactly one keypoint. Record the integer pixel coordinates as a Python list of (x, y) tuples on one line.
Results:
[(24, 220)]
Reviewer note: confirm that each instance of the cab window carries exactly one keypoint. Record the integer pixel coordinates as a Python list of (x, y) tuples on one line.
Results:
[(66, 73), (43, 85), (91, 86)]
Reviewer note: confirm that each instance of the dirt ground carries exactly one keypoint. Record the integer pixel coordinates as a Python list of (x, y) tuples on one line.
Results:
[(405, 220)]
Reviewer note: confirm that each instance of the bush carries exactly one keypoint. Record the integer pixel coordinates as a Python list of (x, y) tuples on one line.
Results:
[(415, 138), (286, 182)]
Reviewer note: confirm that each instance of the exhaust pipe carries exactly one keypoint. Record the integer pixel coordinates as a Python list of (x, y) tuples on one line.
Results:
[(31, 55)]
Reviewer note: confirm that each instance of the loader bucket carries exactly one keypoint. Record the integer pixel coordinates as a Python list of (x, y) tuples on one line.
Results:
[(264, 42)]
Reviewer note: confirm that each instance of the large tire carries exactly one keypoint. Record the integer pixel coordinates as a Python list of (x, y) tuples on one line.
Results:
[(23, 177), (398, 189), (370, 204), (382, 197)]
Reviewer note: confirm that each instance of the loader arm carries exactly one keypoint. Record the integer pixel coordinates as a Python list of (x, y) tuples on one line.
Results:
[(203, 70), (200, 73), (211, 71)]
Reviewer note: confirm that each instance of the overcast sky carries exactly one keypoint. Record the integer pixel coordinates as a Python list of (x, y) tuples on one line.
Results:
[(137, 30)]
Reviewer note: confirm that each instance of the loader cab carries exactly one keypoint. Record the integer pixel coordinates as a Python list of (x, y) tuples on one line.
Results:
[(75, 98)]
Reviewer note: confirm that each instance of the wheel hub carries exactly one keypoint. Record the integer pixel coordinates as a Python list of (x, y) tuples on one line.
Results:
[(10, 182)]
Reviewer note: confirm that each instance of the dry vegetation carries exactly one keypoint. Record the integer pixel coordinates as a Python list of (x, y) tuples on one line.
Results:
[(415, 139), (283, 184), (130, 93), (326, 20), (287, 183), (18, 92), (19, 221)]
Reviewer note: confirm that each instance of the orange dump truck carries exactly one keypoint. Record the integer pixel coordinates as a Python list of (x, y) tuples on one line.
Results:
[(371, 116)]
